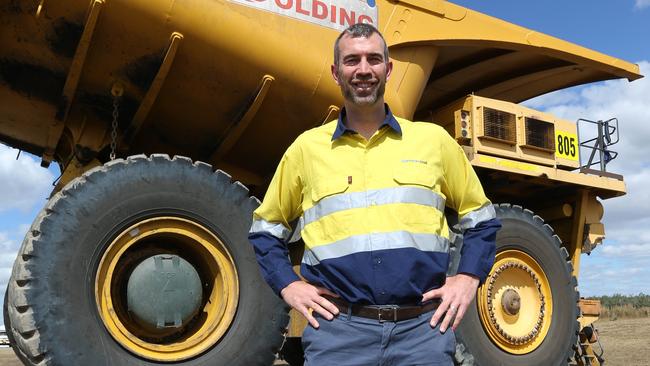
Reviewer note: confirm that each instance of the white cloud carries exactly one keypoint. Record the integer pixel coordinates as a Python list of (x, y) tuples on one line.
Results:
[(640, 4), (8, 249), (623, 259), (625, 250), (24, 182), (627, 218)]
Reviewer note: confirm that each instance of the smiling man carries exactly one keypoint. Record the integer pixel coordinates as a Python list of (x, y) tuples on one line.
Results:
[(370, 190)]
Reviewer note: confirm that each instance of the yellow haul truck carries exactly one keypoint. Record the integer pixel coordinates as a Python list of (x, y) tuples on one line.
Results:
[(140, 257)]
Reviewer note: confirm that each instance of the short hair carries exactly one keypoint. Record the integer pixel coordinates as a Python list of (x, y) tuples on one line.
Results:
[(356, 31)]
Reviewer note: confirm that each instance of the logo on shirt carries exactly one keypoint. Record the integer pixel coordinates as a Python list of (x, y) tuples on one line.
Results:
[(417, 161)]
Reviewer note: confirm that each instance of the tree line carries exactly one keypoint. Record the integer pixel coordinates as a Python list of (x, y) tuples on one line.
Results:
[(636, 301)]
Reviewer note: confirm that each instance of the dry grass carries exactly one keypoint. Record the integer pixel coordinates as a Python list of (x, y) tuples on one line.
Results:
[(624, 312), (625, 341)]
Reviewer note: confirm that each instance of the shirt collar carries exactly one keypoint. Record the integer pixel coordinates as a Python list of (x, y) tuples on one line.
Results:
[(389, 121)]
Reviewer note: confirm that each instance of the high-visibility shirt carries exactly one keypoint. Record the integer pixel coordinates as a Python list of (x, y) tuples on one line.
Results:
[(371, 212)]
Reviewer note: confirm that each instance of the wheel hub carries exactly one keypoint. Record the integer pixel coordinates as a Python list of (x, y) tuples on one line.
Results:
[(511, 302), (164, 291), (514, 303), (158, 305)]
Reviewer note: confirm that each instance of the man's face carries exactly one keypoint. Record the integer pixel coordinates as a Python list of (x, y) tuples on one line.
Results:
[(362, 71)]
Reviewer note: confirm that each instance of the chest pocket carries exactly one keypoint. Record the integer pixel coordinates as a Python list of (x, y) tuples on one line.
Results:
[(325, 188), (419, 175), (327, 199), (423, 178)]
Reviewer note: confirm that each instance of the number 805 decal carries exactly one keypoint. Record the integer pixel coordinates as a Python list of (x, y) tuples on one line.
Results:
[(566, 145)]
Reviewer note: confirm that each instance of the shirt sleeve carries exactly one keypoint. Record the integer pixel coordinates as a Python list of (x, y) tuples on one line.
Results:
[(477, 217), (271, 229)]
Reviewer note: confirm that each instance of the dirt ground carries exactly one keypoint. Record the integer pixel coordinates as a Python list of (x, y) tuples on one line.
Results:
[(624, 341), (7, 358)]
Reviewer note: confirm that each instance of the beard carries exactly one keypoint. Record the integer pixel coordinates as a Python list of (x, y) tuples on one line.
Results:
[(366, 99)]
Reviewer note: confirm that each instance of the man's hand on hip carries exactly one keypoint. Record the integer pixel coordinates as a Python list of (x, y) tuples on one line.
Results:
[(306, 298), (456, 294)]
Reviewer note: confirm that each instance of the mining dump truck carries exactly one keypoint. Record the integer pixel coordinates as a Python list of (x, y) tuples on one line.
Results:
[(167, 117)]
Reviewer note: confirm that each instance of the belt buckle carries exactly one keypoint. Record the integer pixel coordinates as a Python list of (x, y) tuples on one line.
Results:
[(388, 310)]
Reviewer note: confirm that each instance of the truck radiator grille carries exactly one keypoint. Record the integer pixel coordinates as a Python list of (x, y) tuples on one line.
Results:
[(540, 134), (499, 125)]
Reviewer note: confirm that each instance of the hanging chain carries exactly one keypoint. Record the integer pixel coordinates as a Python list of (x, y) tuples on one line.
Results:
[(117, 91), (116, 113)]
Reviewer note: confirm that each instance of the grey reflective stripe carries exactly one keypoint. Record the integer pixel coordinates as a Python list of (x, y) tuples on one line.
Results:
[(297, 232), (472, 218), (309, 258), (376, 241), (276, 229), (346, 201)]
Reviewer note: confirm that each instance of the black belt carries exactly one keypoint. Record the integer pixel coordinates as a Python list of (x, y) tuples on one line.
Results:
[(384, 313)]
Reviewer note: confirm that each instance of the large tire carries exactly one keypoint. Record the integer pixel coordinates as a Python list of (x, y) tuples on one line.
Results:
[(8, 329), (53, 303), (524, 241)]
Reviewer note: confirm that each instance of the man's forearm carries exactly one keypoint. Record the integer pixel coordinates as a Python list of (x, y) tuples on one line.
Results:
[(477, 254), (273, 258)]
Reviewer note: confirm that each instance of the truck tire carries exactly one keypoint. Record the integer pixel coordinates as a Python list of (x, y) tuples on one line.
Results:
[(10, 335), (526, 311), (70, 300)]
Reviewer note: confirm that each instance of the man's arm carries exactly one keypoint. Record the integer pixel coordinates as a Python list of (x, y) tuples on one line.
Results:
[(479, 225), (270, 233), (478, 251), (477, 257), (273, 258)]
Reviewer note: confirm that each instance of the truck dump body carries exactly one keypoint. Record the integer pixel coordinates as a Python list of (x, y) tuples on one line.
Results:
[(441, 52), (133, 97)]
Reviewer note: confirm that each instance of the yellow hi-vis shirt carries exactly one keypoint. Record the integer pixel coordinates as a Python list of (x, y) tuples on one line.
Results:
[(371, 212)]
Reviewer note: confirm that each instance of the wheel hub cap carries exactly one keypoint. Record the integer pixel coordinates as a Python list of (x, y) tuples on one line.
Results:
[(515, 305), (511, 302), (164, 291)]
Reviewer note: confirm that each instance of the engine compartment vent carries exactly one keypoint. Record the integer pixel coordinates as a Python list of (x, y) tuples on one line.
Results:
[(540, 134), (499, 125), (502, 130)]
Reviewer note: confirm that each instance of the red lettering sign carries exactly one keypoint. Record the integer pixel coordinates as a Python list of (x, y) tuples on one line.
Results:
[(337, 14)]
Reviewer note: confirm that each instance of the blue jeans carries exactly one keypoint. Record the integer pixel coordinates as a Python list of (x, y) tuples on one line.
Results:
[(354, 341)]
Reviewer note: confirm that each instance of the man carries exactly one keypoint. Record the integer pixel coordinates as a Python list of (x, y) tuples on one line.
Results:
[(370, 190)]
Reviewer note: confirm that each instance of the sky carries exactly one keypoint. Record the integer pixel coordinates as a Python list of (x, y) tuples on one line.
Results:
[(620, 28)]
